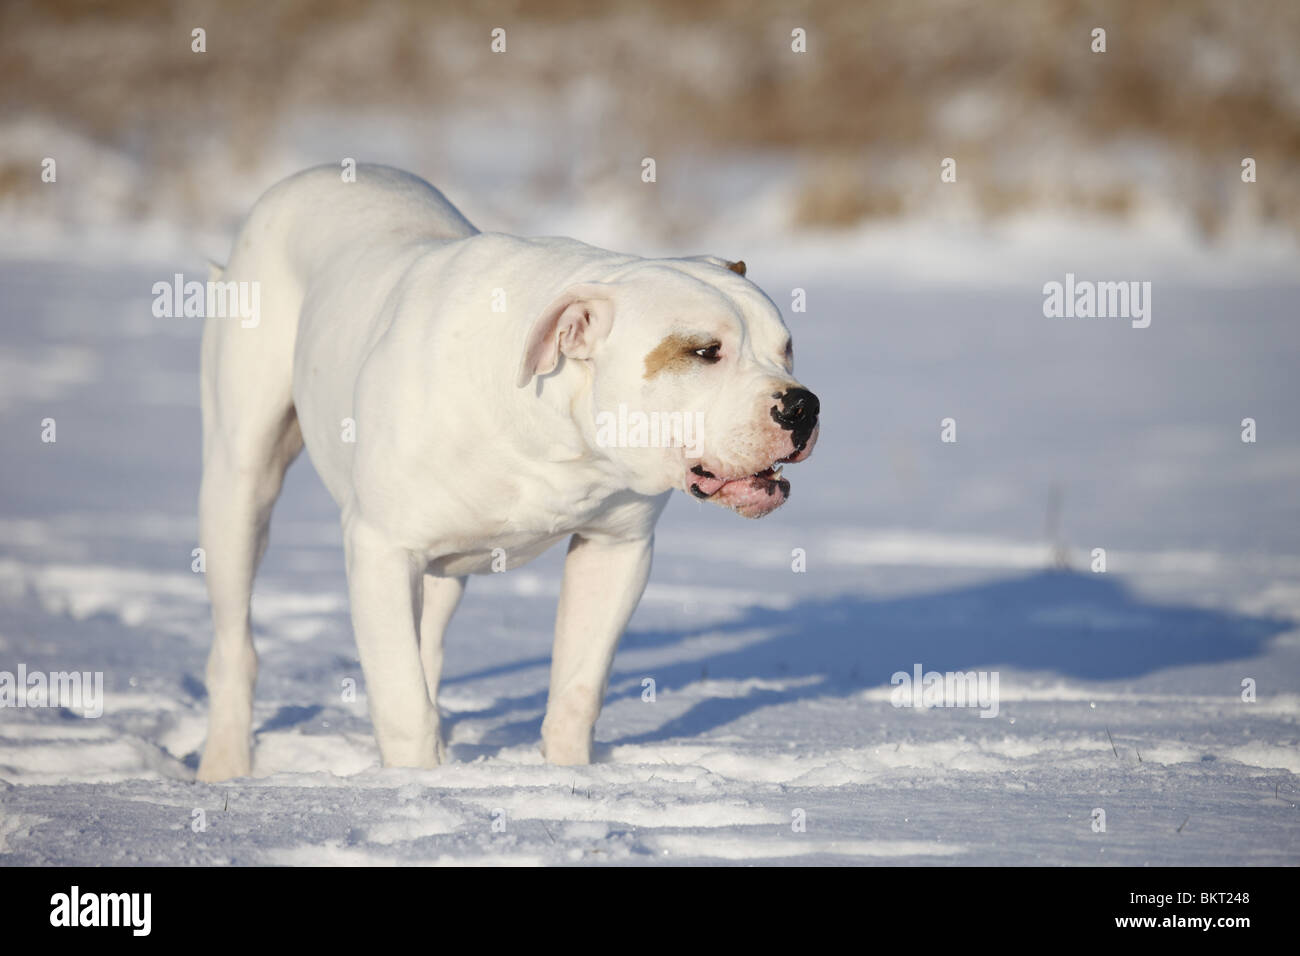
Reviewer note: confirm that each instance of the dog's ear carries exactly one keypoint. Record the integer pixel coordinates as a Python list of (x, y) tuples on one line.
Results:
[(572, 325), (737, 267)]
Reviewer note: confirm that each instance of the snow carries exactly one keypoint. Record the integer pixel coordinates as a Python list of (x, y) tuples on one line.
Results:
[(772, 698)]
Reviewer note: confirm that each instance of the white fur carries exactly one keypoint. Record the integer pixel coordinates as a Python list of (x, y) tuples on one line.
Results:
[(473, 431)]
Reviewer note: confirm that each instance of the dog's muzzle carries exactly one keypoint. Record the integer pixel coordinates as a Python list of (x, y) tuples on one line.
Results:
[(765, 490)]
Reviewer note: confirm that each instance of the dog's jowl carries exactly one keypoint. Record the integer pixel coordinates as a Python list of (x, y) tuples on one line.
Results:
[(464, 395)]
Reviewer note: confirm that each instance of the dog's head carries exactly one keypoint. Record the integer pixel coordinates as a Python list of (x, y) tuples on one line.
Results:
[(692, 379)]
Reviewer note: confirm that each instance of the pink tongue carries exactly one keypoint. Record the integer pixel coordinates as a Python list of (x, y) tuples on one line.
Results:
[(707, 485)]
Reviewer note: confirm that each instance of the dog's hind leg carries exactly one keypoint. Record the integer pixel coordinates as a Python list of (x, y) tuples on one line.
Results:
[(250, 437)]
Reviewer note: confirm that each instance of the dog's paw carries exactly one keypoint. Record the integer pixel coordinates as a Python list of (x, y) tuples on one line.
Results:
[(424, 753), (224, 763), (567, 753)]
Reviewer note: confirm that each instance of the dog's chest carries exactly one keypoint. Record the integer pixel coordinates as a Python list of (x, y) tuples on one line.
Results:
[(527, 522)]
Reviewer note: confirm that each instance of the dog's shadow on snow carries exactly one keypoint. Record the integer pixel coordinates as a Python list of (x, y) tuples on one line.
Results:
[(1068, 624)]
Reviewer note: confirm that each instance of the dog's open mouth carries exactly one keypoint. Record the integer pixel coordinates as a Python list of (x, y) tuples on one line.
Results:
[(750, 495)]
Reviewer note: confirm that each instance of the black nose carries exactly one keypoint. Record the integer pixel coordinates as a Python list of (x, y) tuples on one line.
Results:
[(797, 413)]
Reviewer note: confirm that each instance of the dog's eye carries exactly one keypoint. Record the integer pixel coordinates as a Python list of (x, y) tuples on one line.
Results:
[(709, 353)]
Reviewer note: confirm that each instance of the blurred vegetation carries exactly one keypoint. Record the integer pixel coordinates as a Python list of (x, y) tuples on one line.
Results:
[(1185, 90)]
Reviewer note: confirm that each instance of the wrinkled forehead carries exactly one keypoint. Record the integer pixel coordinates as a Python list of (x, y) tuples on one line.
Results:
[(676, 296)]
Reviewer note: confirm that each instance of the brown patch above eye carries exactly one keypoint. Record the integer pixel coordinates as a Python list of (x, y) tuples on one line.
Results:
[(673, 354)]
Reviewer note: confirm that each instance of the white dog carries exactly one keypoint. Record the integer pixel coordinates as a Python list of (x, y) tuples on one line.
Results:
[(448, 385)]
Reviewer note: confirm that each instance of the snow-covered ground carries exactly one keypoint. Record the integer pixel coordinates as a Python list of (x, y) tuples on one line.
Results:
[(1119, 691)]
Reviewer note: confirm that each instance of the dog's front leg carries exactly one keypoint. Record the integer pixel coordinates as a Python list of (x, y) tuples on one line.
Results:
[(603, 582), (384, 584)]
